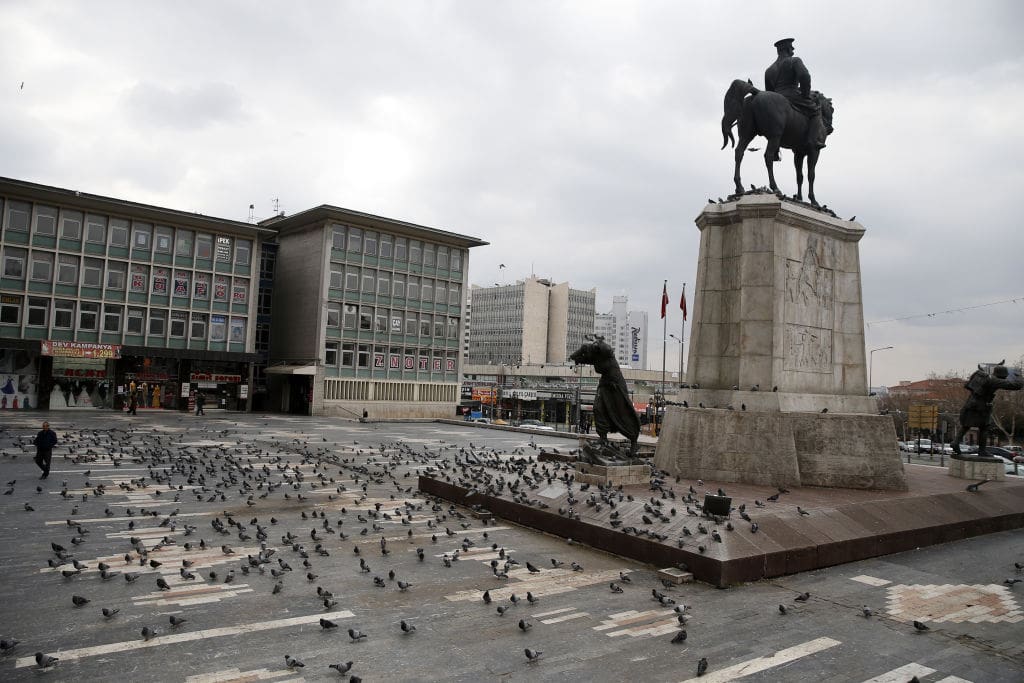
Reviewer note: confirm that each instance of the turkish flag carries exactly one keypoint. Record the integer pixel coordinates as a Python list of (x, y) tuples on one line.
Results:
[(664, 299), (682, 302)]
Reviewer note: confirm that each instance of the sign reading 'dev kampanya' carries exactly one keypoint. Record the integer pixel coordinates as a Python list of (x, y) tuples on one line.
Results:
[(70, 349)]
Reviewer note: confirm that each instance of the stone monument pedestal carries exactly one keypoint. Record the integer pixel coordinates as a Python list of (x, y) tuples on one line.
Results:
[(777, 367), (616, 475), (976, 469)]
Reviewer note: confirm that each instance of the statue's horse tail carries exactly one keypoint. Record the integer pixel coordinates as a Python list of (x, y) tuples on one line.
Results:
[(734, 107)]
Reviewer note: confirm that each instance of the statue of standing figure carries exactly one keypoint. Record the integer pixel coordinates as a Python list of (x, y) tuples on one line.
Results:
[(613, 408), (977, 410)]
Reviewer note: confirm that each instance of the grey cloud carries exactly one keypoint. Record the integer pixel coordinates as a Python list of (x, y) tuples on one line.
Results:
[(188, 107)]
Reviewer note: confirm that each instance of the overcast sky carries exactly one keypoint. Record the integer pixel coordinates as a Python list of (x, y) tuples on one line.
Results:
[(581, 139)]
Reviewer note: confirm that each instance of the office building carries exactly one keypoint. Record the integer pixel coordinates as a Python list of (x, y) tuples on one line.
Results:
[(626, 332)]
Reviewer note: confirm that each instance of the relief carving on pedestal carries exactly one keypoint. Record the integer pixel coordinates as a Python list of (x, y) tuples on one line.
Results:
[(810, 312), (808, 349)]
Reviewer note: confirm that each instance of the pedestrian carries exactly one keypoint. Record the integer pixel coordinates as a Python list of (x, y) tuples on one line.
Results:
[(133, 404), (366, 415), (200, 401), (44, 442)]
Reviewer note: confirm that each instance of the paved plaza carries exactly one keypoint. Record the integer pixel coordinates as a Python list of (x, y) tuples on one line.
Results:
[(270, 513)]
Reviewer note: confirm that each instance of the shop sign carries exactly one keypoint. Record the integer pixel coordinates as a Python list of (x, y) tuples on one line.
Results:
[(70, 349), (243, 391), (84, 373), (214, 377), (524, 394), (184, 390)]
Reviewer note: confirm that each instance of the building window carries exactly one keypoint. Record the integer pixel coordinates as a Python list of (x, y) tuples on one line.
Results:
[(42, 266), (115, 275), (333, 315), (439, 326), (141, 235), (385, 246), (440, 293), (139, 278), (71, 225), (428, 256), (238, 331), (369, 280), (204, 246), (201, 288), (17, 216), (398, 286), (218, 328), (63, 314), (366, 318), (337, 276), (119, 232), (198, 327), (349, 319), (111, 319), (381, 321), (163, 240), (179, 320), (401, 249), (415, 252), (364, 356), (88, 316), (92, 273), (331, 354), (157, 323), (410, 323), (453, 328), (160, 276), (370, 243), (264, 301), (425, 321), (348, 350), (46, 221), (180, 283), (427, 290), (67, 270), (96, 229), (223, 251), (10, 309), (457, 260), (136, 321), (383, 283), (338, 236), (442, 258), (412, 290), (453, 294), (355, 240), (240, 291), (184, 244), (14, 263), (37, 310), (352, 279), (243, 252)]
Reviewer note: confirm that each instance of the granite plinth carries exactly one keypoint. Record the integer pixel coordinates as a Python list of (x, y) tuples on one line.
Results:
[(976, 469), (770, 448), (616, 475)]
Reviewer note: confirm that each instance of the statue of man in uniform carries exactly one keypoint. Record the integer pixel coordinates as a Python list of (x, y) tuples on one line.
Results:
[(789, 77), (977, 410)]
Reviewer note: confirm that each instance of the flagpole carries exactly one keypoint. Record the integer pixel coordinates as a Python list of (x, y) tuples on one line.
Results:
[(664, 352), (682, 336)]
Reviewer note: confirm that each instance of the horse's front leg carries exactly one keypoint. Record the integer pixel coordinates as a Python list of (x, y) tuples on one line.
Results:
[(798, 162), (771, 151), (812, 162)]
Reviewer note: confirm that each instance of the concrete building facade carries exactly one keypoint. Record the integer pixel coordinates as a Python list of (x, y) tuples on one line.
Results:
[(533, 321), (625, 331)]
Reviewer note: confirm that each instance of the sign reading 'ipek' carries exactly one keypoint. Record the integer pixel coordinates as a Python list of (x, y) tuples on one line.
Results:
[(70, 349)]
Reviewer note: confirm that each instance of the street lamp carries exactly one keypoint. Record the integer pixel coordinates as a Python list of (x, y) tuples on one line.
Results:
[(681, 346), (871, 359)]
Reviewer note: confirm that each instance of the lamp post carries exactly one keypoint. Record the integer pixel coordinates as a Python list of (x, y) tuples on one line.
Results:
[(681, 346), (871, 360)]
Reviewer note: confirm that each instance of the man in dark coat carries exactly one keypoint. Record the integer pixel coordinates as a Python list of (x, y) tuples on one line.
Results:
[(44, 442), (789, 77), (977, 410)]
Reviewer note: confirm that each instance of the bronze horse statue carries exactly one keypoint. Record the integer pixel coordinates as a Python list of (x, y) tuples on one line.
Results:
[(769, 114)]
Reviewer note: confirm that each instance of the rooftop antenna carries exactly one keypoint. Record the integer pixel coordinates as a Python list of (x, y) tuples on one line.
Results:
[(277, 206), (252, 208)]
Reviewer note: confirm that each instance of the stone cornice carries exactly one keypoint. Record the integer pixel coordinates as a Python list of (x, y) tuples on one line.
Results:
[(758, 206)]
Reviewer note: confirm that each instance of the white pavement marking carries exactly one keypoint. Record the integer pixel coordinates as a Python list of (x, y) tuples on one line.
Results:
[(566, 617), (760, 664), (902, 674), (538, 615), (870, 580), (124, 646), (233, 675), (953, 679)]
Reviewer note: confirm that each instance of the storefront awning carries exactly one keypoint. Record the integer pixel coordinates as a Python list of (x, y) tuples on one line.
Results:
[(290, 369)]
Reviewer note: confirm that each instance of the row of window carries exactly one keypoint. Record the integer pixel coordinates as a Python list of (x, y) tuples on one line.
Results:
[(399, 285), (120, 232), (383, 320), (60, 314), (370, 243), (353, 355), (119, 275)]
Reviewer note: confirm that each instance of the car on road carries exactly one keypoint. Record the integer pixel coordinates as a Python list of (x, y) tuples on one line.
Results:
[(482, 420), (536, 424), (1011, 467)]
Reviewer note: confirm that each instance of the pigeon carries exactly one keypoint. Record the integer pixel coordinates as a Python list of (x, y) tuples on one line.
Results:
[(406, 626), (177, 621), (292, 663), (532, 569), (702, 666), (803, 597), (920, 627), (45, 661), (524, 625), (342, 668), (802, 511), (487, 597), (148, 632), (973, 488), (782, 609), (866, 611), (532, 655), (7, 645), (576, 567), (1010, 582), (79, 601), (162, 584), (624, 578), (327, 623), (615, 588), (530, 598), (679, 637), (356, 635)]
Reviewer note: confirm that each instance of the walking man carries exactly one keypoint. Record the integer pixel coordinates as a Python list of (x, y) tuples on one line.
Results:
[(200, 401), (44, 442)]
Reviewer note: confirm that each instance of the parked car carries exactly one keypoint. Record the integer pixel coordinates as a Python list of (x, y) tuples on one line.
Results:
[(999, 452), (921, 446), (536, 424), (1010, 465), (482, 420)]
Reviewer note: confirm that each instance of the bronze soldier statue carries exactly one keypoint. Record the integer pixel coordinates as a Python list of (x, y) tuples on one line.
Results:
[(790, 78), (977, 410)]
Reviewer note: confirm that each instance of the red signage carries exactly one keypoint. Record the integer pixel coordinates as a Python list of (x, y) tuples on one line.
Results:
[(70, 349), (214, 377), (84, 373)]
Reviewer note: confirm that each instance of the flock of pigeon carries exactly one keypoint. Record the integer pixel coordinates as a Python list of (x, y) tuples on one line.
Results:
[(284, 511)]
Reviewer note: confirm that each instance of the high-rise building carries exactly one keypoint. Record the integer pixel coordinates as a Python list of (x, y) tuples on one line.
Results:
[(625, 331), (532, 321)]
